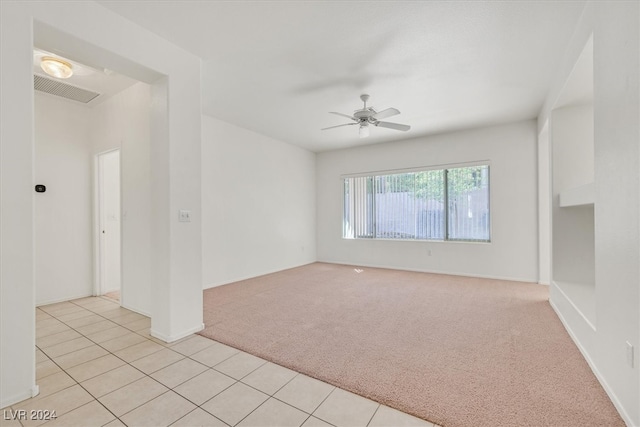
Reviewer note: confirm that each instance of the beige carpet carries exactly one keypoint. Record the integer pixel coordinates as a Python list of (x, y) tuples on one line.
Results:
[(453, 350)]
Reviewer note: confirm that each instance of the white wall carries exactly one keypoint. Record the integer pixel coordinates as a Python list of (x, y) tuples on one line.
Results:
[(17, 286), (573, 146), (573, 166), (123, 121), (544, 208), (85, 30), (513, 251), (258, 204), (63, 242), (617, 210), (68, 136), (616, 44)]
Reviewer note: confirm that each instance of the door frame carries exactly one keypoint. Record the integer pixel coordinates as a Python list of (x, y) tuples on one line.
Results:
[(98, 276)]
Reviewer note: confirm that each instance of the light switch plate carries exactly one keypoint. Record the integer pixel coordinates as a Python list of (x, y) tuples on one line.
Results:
[(629, 354)]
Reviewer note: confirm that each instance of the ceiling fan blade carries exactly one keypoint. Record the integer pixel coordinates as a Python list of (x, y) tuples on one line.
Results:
[(344, 115), (385, 113), (396, 126), (346, 124)]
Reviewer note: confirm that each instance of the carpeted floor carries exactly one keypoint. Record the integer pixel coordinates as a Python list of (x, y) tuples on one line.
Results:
[(453, 350)]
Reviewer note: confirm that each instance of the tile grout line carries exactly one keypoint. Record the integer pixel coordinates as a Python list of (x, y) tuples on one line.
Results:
[(109, 352), (271, 396), (240, 381), (193, 410), (286, 403), (228, 376), (150, 377), (99, 344), (323, 400), (374, 414), (185, 357), (324, 382), (130, 364), (275, 392), (248, 385), (79, 384)]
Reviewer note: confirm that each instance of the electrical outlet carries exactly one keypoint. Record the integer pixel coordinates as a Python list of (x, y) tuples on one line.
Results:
[(184, 216), (629, 354)]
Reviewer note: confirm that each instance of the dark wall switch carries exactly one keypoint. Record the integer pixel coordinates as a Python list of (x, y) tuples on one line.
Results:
[(40, 188)]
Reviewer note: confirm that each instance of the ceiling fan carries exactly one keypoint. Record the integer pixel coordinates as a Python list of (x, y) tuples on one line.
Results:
[(367, 116)]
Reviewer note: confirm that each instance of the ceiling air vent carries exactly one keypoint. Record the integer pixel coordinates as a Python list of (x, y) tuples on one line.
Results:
[(64, 90)]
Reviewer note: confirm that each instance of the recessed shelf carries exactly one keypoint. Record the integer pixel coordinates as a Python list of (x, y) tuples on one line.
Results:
[(578, 196)]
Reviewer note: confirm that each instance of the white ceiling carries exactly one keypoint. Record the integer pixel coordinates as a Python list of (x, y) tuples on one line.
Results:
[(279, 67), (105, 82), (578, 88)]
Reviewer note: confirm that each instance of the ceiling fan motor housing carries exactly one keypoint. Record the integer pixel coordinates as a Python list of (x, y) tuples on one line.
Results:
[(364, 114)]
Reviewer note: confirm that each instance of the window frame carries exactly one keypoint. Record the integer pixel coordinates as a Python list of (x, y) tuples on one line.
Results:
[(444, 168)]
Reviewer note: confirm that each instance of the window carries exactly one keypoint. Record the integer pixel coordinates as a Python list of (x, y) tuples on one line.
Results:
[(435, 204)]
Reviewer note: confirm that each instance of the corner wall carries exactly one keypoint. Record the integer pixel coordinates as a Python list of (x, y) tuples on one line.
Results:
[(258, 204), (616, 46), (123, 121), (86, 30), (513, 251), (616, 54)]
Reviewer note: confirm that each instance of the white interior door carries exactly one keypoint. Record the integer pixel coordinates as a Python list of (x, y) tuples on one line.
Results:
[(109, 218)]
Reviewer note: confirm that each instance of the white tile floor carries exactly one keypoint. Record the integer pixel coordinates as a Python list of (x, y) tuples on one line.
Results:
[(97, 365)]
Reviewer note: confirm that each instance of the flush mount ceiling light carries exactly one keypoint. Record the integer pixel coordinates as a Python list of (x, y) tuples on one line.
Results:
[(56, 67)]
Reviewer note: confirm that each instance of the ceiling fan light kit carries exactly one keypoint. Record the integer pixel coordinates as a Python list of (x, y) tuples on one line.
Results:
[(368, 116), (364, 130)]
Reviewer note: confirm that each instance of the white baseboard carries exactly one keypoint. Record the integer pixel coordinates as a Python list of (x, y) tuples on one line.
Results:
[(19, 397), (388, 267), (448, 273), (135, 310), (175, 337), (575, 307), (64, 299), (614, 399), (239, 279)]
